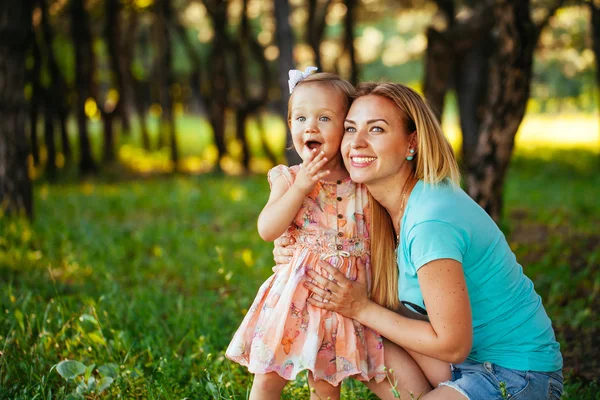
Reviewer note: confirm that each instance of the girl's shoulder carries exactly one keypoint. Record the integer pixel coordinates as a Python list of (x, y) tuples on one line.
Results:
[(283, 171)]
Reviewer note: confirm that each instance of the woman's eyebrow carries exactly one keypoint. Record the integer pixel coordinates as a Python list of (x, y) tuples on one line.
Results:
[(371, 121)]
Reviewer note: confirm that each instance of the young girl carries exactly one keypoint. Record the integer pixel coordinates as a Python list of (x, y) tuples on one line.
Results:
[(282, 334)]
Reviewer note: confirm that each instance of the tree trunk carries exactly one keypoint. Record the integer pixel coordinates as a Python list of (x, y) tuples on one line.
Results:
[(349, 40), (108, 149), (82, 41), (49, 113), (471, 80), (140, 110), (258, 104), (218, 74), (595, 28), (285, 42), (164, 61), (64, 134), (439, 61), (195, 60), (112, 35), (262, 129), (134, 84), (242, 108), (316, 27), (58, 88), (310, 32), (510, 71), (493, 58), (36, 96), (445, 49), (15, 33)]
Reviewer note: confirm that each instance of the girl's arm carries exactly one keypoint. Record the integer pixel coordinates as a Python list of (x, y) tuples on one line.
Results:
[(284, 202), (283, 205), (447, 337)]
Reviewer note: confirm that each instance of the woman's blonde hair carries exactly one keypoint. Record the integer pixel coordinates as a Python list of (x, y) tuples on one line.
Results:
[(330, 80), (384, 272), (434, 162)]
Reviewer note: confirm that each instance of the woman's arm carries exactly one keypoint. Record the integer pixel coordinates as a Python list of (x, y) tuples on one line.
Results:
[(447, 337), (284, 202)]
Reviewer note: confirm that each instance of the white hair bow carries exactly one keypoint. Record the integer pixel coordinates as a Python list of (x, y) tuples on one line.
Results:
[(297, 76)]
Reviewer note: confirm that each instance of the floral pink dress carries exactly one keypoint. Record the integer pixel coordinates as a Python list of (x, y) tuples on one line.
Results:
[(281, 332)]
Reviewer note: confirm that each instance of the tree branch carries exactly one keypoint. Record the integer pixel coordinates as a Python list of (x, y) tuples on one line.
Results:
[(540, 27)]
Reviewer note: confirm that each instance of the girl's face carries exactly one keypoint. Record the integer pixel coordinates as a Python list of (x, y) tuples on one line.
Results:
[(375, 143), (317, 120)]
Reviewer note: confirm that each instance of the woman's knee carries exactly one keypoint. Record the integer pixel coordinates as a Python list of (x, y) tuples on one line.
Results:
[(403, 372)]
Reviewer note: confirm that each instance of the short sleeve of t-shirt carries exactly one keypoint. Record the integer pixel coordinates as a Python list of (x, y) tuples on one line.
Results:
[(434, 240), (281, 171)]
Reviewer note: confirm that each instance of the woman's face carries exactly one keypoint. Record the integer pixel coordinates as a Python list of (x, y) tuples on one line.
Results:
[(375, 143)]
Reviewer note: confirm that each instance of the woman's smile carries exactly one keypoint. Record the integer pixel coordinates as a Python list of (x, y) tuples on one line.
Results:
[(361, 161)]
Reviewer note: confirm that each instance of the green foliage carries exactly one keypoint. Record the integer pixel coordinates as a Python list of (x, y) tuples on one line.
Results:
[(148, 280), (74, 371), (69, 369)]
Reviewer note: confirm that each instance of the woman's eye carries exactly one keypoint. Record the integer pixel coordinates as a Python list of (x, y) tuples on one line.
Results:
[(350, 129), (376, 129), (301, 119), (324, 119)]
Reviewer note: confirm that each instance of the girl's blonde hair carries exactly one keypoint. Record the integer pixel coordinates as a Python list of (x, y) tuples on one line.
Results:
[(330, 80), (434, 163)]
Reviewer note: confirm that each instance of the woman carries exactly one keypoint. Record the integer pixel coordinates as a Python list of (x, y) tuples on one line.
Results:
[(486, 334)]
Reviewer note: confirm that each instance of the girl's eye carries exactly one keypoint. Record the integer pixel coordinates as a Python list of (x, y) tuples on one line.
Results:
[(324, 119), (350, 129), (301, 119), (376, 129)]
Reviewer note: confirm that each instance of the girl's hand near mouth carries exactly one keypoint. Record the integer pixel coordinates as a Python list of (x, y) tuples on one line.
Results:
[(310, 172)]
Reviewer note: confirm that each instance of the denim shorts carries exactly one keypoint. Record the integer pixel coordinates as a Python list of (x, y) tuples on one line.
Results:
[(489, 381)]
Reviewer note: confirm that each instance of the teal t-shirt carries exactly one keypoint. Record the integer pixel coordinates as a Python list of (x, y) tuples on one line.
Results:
[(510, 326)]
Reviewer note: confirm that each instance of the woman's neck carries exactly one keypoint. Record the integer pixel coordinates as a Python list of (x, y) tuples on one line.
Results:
[(390, 193)]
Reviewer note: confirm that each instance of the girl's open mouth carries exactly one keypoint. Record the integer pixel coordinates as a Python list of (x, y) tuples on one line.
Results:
[(313, 144)]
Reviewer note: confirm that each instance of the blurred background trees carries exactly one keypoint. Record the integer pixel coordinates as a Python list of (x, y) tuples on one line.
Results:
[(161, 86)]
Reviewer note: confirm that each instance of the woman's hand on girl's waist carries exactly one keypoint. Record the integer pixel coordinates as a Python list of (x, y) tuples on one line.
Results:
[(338, 293)]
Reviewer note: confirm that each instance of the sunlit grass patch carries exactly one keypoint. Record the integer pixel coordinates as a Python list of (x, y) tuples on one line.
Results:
[(542, 132), (538, 134)]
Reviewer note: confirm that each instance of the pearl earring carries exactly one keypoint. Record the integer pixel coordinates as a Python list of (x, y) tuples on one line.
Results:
[(409, 158)]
